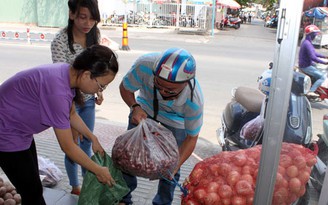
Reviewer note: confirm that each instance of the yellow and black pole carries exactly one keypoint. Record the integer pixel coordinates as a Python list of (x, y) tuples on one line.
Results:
[(125, 43)]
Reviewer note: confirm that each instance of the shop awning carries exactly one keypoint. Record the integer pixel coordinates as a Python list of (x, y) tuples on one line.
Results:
[(228, 3)]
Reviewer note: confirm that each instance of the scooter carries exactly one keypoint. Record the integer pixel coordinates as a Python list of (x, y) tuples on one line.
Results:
[(229, 22), (248, 103), (319, 170)]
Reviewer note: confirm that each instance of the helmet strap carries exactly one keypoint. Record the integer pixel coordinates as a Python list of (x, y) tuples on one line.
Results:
[(192, 88), (155, 104)]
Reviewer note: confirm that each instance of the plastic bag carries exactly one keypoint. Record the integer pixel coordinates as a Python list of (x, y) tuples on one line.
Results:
[(49, 172), (95, 193), (252, 129), (149, 150)]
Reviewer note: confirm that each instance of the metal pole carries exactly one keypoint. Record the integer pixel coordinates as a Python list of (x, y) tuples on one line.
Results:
[(178, 14), (282, 73), (151, 14), (28, 35), (213, 16), (323, 199)]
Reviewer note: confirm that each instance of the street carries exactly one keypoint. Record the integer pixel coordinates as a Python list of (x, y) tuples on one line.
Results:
[(226, 60)]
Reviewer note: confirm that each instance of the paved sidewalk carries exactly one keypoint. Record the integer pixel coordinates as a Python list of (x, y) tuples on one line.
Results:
[(48, 147), (107, 132)]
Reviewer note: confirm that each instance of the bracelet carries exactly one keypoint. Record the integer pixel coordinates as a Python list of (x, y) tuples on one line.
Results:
[(134, 105)]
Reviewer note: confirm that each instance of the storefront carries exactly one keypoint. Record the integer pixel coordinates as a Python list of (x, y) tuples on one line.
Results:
[(222, 7)]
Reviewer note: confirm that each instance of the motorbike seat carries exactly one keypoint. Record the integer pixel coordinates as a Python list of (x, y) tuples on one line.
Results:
[(250, 98)]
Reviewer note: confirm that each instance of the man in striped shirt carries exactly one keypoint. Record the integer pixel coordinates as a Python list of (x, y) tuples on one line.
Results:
[(170, 94)]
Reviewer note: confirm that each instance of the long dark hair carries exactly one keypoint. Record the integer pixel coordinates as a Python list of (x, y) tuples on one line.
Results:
[(99, 60), (93, 37)]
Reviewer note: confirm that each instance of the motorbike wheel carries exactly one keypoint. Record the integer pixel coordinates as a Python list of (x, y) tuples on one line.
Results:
[(237, 26), (316, 178)]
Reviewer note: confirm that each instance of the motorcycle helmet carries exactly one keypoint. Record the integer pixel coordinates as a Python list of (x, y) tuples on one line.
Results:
[(265, 82), (175, 65), (311, 29)]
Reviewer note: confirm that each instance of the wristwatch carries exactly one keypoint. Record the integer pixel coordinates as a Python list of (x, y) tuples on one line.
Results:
[(135, 105)]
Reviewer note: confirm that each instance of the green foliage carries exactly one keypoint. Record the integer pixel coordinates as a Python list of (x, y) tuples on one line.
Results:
[(244, 3), (269, 3), (265, 3)]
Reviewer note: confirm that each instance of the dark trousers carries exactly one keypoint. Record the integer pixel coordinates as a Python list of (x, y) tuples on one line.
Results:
[(22, 170)]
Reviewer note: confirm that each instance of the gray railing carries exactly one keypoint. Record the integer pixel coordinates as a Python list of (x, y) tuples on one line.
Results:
[(166, 14)]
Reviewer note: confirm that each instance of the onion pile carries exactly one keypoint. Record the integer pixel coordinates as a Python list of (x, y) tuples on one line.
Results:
[(8, 194), (150, 150), (230, 177)]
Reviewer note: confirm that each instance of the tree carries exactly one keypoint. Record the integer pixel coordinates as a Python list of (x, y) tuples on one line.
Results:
[(265, 3)]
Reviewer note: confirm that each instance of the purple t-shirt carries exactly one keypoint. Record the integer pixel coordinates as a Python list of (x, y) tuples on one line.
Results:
[(307, 54), (32, 101)]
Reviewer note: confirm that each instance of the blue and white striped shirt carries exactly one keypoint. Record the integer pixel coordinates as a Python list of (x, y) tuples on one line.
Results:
[(181, 113)]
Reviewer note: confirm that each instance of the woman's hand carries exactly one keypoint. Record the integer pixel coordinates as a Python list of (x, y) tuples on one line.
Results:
[(104, 176), (96, 147), (99, 99), (76, 136)]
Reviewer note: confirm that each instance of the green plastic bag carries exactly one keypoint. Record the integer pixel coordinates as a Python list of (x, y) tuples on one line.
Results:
[(95, 193)]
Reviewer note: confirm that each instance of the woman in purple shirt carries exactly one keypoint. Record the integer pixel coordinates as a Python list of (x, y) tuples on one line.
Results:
[(34, 100), (307, 56)]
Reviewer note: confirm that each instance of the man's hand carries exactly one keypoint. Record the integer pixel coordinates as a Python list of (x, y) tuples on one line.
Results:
[(138, 114)]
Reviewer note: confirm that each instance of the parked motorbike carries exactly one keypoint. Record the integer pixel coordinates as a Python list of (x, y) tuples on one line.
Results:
[(248, 104), (319, 170), (232, 22)]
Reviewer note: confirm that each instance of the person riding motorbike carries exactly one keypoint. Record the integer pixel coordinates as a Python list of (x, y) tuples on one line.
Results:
[(308, 56)]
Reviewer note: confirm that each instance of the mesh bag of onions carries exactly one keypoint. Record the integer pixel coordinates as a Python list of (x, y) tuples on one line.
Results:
[(230, 177), (8, 194), (149, 150)]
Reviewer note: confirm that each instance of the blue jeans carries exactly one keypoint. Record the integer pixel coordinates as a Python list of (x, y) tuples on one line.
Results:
[(87, 113), (165, 189), (312, 71)]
